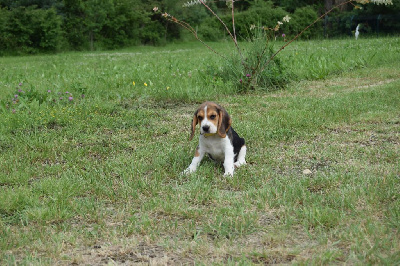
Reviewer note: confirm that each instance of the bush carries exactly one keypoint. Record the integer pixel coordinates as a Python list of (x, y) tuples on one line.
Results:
[(301, 18), (210, 30), (254, 70), (261, 13), (3, 35), (30, 30), (153, 33)]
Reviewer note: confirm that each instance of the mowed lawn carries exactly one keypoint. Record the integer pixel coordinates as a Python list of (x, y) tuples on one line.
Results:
[(92, 146)]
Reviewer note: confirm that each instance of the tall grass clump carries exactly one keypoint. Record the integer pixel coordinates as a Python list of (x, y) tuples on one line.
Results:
[(246, 72), (254, 64)]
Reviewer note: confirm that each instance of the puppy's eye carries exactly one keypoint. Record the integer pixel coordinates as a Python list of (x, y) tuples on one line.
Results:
[(212, 117), (200, 118)]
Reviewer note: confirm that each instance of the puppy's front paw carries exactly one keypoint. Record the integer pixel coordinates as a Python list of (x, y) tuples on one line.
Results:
[(229, 168), (188, 171), (228, 174), (239, 163)]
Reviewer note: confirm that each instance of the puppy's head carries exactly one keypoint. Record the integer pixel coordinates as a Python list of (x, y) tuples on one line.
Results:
[(213, 119)]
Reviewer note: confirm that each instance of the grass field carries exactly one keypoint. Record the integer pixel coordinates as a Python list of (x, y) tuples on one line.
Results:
[(93, 144)]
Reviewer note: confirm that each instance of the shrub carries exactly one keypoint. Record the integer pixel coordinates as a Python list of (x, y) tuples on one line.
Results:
[(252, 70), (301, 18), (3, 35), (153, 33), (261, 13), (30, 30), (210, 30)]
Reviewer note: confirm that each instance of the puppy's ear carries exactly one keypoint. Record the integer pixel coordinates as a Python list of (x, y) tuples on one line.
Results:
[(194, 123), (224, 123)]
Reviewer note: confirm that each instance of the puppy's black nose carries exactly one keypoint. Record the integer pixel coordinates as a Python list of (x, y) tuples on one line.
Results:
[(206, 128)]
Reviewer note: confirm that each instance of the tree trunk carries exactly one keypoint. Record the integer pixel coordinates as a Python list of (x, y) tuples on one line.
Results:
[(91, 39), (328, 4)]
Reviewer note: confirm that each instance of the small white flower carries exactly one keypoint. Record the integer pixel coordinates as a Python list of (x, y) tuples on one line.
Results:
[(252, 27), (286, 18), (280, 23)]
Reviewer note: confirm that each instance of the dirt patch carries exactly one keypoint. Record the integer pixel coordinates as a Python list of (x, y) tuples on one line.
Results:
[(271, 258), (141, 254)]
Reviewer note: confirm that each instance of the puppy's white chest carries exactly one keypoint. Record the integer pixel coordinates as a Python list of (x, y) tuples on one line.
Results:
[(215, 146)]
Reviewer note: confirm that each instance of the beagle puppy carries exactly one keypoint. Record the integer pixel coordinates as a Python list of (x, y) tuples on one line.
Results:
[(217, 138)]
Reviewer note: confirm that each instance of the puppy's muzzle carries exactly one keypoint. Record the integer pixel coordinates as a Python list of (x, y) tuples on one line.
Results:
[(206, 128)]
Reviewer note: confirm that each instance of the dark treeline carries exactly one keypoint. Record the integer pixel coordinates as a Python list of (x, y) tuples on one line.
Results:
[(33, 26)]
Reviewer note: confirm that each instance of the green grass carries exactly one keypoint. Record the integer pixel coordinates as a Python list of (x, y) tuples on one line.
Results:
[(96, 180)]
